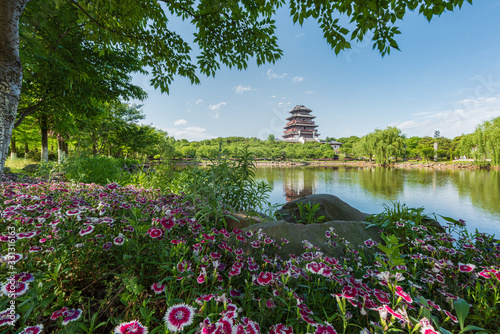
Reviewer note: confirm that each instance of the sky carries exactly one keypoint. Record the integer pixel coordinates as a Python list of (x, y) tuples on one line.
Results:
[(446, 77)]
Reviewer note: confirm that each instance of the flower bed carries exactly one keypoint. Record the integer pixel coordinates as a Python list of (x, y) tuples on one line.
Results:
[(91, 259)]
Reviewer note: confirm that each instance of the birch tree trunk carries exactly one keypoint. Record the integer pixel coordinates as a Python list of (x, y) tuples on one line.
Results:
[(13, 148), (11, 71)]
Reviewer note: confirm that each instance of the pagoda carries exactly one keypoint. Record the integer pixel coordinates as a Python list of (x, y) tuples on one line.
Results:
[(300, 126)]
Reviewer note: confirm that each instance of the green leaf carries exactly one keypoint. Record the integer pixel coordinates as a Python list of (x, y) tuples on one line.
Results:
[(444, 331), (471, 328), (462, 308)]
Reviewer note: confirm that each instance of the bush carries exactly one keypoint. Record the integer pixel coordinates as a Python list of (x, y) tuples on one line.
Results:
[(94, 169)]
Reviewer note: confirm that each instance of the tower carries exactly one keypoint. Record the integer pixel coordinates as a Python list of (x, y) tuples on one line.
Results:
[(300, 126)]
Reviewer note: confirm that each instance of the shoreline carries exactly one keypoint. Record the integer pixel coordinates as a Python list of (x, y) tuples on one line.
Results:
[(363, 164)]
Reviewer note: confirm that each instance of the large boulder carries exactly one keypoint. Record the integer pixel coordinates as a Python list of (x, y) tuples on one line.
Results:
[(243, 219), (354, 232), (331, 207), (32, 168)]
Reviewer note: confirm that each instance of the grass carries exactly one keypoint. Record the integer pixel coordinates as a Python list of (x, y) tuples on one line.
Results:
[(17, 164)]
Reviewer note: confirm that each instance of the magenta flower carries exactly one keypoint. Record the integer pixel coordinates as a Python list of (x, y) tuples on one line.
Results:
[(370, 243), (112, 186), (349, 292), (158, 288), (265, 278), (270, 303), (155, 232), (119, 240), (201, 279), (328, 329), (32, 329), (179, 316), (8, 318), (167, 223), (404, 295), (280, 329), (72, 212), (59, 313), (466, 268), (381, 296), (72, 315), (22, 277), (86, 230), (132, 327), (452, 317), (107, 246), (14, 289), (12, 258), (26, 235), (394, 313)]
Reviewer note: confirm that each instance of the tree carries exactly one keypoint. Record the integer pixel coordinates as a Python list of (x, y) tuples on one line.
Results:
[(227, 32)]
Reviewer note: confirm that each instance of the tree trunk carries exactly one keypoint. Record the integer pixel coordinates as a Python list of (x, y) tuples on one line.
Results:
[(11, 71), (13, 150), (44, 129), (26, 150), (62, 149)]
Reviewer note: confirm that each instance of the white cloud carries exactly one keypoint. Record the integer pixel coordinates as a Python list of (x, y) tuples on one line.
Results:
[(272, 75), (180, 122), (309, 92), (216, 107), (452, 122), (297, 79), (240, 89), (191, 133), (216, 115), (198, 101)]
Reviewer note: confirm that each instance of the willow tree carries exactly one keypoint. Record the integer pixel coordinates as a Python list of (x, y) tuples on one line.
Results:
[(226, 33)]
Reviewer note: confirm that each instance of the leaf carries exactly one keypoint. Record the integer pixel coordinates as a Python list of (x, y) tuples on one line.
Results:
[(462, 308), (444, 331), (470, 328)]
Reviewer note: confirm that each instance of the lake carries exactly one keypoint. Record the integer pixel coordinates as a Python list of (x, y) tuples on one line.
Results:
[(471, 195)]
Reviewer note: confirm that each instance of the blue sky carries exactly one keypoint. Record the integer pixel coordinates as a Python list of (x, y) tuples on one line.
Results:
[(446, 77)]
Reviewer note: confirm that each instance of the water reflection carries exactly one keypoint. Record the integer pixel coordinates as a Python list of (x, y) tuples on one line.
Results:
[(473, 195)]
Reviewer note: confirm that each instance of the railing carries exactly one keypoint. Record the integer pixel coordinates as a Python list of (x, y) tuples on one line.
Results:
[(299, 122)]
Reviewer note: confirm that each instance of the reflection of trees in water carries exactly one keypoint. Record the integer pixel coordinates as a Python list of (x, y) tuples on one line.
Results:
[(382, 182), (481, 186)]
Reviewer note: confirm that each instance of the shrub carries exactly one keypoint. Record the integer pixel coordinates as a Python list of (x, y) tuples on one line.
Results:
[(94, 169)]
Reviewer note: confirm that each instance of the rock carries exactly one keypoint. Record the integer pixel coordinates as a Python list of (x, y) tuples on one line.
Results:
[(31, 168), (6, 170), (243, 219), (332, 207), (353, 231)]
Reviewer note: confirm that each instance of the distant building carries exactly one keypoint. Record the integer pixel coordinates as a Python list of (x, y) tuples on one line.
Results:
[(300, 127)]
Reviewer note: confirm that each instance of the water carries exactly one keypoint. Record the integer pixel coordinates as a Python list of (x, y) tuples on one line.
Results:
[(471, 195)]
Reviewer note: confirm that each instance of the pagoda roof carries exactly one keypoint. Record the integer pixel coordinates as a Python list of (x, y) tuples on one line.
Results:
[(301, 115), (300, 108), (300, 124)]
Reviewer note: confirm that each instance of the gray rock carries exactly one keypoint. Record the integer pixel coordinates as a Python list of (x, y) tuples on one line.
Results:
[(31, 168), (243, 219), (332, 207), (354, 232)]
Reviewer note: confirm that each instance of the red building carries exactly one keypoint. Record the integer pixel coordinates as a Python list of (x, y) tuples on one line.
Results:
[(300, 126)]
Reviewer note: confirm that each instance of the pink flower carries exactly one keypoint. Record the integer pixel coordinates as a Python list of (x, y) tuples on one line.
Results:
[(107, 246), (119, 240), (270, 303), (328, 329), (404, 295), (155, 232), (394, 313), (86, 230), (167, 223), (265, 278), (132, 327), (59, 313), (452, 317), (381, 296), (280, 329), (158, 288), (201, 279), (349, 292), (8, 318), (23, 277), (179, 316), (466, 268), (112, 186), (370, 243), (14, 289), (72, 212), (72, 315), (32, 329)]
